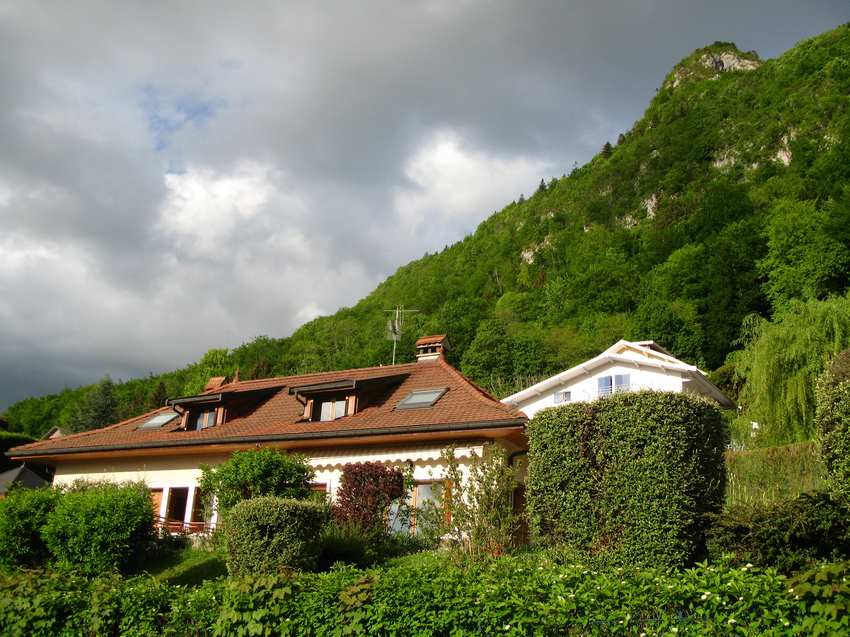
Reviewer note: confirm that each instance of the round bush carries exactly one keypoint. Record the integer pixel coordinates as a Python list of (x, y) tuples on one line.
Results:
[(98, 527), (23, 513), (270, 534)]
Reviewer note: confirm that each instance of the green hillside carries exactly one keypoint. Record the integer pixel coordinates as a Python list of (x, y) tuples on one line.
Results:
[(729, 199)]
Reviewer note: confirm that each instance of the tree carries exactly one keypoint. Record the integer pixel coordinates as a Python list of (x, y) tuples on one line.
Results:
[(98, 408), (366, 491), (806, 258), (782, 361), (607, 150), (253, 473), (473, 510)]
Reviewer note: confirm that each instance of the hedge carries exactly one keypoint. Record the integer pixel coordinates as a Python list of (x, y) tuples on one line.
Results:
[(269, 534), (97, 527), (515, 597), (626, 479), (789, 535), (23, 513)]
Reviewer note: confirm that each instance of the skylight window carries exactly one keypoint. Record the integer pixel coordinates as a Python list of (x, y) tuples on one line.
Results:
[(422, 398), (159, 420)]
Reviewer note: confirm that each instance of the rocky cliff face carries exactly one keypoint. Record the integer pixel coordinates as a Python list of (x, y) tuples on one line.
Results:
[(709, 63)]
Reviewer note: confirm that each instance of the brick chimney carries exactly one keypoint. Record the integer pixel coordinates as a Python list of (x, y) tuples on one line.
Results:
[(432, 348)]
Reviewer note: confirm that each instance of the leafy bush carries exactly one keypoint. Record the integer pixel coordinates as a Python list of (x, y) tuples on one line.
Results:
[(347, 544), (366, 490), (268, 534), (266, 471), (474, 511), (626, 479), (100, 526), (832, 420), (788, 535), (23, 513)]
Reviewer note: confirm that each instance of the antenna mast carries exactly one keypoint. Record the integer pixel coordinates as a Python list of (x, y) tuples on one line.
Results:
[(394, 326)]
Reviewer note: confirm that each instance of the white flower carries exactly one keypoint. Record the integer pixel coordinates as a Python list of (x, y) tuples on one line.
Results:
[(704, 597), (732, 621), (507, 626), (748, 566)]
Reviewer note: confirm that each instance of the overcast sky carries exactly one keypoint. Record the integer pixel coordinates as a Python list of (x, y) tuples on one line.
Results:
[(178, 176)]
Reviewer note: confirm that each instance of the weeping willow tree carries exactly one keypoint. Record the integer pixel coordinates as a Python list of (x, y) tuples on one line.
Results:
[(781, 364)]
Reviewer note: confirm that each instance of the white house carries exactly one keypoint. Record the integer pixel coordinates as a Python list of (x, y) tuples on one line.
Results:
[(626, 366), (397, 415)]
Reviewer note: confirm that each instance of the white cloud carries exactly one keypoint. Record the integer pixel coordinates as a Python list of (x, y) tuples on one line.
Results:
[(457, 186)]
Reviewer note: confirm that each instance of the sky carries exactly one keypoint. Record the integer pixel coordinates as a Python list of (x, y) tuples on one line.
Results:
[(181, 176)]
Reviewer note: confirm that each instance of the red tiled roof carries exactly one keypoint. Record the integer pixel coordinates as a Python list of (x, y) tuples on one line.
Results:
[(278, 416)]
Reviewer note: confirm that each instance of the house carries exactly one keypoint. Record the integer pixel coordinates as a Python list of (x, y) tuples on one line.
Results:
[(625, 366), (403, 414), (21, 476)]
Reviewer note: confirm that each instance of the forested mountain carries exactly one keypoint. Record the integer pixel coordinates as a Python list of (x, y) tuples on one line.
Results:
[(729, 199)]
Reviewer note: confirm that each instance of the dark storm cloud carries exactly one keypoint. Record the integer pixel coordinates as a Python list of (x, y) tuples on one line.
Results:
[(187, 175)]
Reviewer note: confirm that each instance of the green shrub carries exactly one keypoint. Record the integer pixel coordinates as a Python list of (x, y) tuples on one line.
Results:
[(100, 526), (266, 471), (23, 513), (788, 535), (832, 420), (268, 534), (475, 510), (626, 479), (346, 544)]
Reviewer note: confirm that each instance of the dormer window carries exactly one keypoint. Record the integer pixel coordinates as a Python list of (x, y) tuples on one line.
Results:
[(324, 402), (202, 419), (330, 408)]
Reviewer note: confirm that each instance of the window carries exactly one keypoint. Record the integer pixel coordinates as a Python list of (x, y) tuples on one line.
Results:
[(422, 398), (327, 409), (562, 397), (201, 420), (422, 492), (158, 421), (621, 383)]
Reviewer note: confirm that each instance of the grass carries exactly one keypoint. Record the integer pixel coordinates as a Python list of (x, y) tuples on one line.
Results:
[(775, 473)]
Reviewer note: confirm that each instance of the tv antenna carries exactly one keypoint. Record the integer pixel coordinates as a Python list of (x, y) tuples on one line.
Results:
[(394, 326)]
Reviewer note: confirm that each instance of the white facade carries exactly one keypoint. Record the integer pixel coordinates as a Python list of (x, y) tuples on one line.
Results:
[(173, 480), (626, 366)]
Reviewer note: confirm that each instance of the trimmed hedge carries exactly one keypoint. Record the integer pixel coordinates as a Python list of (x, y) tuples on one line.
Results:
[(429, 595), (832, 420), (269, 534), (100, 526), (23, 513), (790, 535), (626, 479)]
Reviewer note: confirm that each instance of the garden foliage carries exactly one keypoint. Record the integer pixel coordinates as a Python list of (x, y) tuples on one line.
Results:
[(521, 596), (789, 535), (472, 511), (626, 479), (266, 471), (23, 514), (832, 420), (97, 527), (366, 491), (269, 534)]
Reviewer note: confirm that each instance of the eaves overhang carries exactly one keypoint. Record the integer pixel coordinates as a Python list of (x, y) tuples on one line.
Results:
[(378, 381), (223, 397), (303, 436)]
